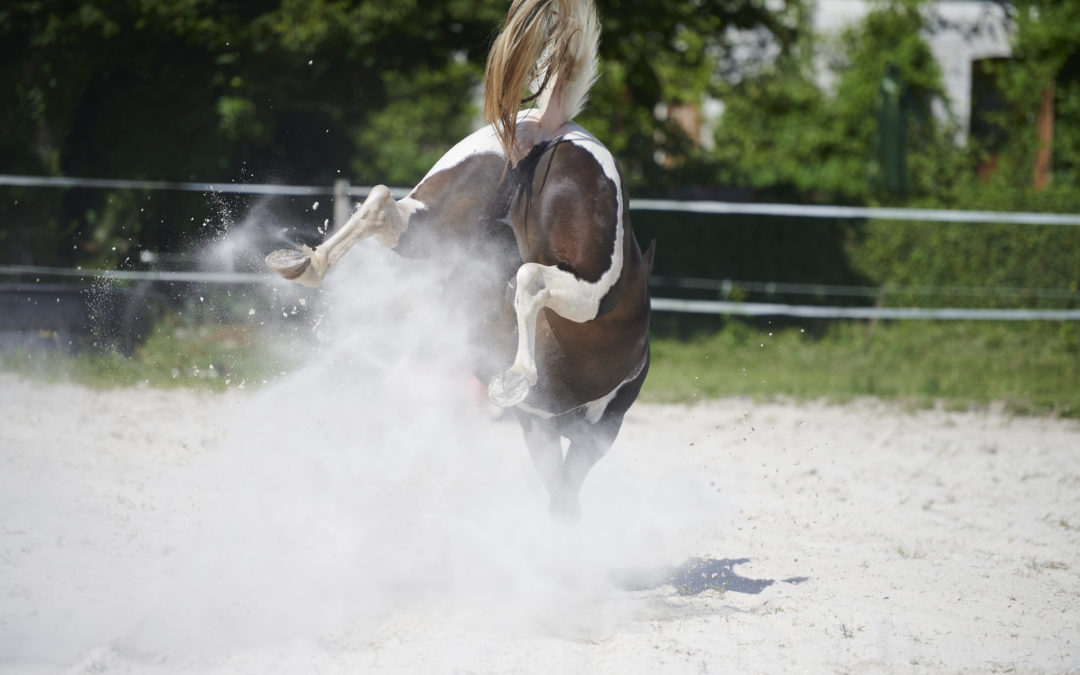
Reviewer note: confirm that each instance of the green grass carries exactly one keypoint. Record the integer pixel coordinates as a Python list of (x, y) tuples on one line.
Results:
[(177, 353), (1029, 368)]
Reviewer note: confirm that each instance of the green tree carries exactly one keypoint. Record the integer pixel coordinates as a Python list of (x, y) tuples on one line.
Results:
[(671, 53), (1046, 51), (780, 128), (294, 91)]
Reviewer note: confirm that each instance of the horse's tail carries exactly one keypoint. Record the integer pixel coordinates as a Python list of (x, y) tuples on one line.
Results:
[(549, 45)]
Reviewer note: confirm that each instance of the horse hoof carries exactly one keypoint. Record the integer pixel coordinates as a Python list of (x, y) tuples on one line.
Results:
[(507, 389), (288, 262)]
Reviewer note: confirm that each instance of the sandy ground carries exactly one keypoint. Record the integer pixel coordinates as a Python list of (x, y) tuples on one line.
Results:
[(148, 531)]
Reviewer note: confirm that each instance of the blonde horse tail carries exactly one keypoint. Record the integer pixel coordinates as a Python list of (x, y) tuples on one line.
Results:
[(543, 45)]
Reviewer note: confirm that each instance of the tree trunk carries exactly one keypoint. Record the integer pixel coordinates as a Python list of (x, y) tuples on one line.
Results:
[(1044, 128)]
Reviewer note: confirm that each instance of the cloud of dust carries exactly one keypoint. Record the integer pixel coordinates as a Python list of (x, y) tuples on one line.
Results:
[(373, 483)]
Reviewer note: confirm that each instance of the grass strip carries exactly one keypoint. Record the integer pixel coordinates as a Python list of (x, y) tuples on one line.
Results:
[(1031, 368)]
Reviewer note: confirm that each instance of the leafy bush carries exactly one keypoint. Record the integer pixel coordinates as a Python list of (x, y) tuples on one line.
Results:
[(1023, 260)]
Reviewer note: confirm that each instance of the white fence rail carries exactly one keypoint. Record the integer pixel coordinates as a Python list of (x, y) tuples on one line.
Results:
[(856, 212), (719, 307), (342, 189), (826, 312), (714, 207), (726, 287)]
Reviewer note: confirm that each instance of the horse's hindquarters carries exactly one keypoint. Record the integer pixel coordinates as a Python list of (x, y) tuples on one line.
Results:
[(584, 362)]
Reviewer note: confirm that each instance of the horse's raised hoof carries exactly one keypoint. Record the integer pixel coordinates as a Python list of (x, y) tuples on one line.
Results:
[(288, 262), (507, 389)]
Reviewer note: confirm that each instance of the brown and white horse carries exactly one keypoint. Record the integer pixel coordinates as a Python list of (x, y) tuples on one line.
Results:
[(556, 284)]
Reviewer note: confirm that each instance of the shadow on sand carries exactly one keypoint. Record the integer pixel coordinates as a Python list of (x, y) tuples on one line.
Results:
[(696, 576)]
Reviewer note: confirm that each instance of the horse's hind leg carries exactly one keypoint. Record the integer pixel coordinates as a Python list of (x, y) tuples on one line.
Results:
[(545, 449), (588, 443), (563, 478), (590, 439), (512, 386), (379, 216), (540, 286)]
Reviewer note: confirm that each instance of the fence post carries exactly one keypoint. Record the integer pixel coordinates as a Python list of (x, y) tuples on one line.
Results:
[(341, 202)]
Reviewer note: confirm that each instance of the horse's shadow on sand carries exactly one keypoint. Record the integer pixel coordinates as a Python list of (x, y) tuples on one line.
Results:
[(695, 576)]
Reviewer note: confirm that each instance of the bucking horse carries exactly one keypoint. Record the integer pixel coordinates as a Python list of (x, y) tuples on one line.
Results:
[(533, 212)]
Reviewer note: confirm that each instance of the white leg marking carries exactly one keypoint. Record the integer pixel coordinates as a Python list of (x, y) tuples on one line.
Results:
[(379, 216), (540, 286), (528, 300)]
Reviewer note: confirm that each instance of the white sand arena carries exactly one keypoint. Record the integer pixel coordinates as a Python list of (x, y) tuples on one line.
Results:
[(147, 531)]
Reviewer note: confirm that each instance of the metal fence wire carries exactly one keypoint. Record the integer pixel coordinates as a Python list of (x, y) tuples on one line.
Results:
[(342, 192)]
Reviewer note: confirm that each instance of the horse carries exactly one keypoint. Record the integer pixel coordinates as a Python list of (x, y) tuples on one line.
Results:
[(534, 211)]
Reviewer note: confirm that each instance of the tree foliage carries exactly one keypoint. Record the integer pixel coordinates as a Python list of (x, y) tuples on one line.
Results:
[(307, 91), (781, 127), (789, 137), (299, 91), (1046, 51)]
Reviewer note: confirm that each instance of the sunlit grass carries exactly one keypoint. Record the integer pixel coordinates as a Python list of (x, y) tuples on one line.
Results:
[(1029, 368), (209, 356)]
